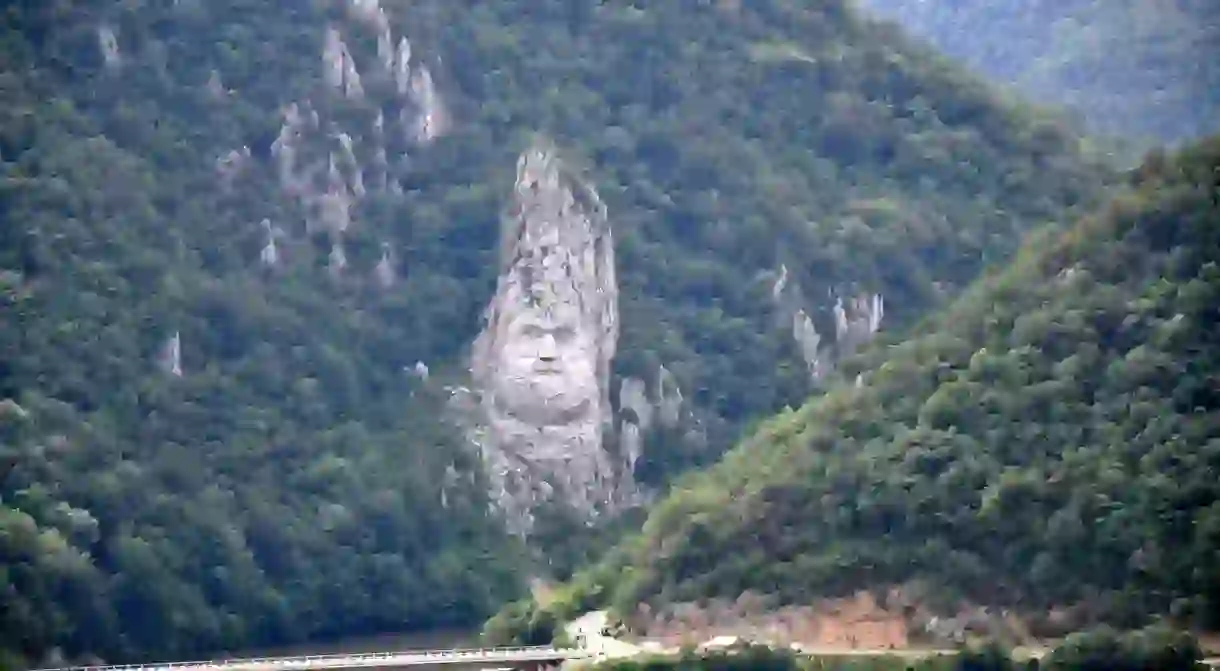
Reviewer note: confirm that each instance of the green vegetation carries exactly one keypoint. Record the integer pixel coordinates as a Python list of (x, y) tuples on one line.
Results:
[(1152, 648), (294, 482), (1051, 442), (1149, 650), (523, 623), (1139, 70), (746, 658)]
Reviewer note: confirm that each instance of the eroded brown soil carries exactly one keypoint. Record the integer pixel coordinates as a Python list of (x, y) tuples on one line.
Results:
[(855, 623)]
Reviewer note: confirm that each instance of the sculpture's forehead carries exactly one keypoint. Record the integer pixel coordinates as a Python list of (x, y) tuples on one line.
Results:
[(549, 315), (547, 279)]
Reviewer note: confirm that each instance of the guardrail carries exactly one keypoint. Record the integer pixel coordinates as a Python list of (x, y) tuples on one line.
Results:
[(342, 660), (350, 659)]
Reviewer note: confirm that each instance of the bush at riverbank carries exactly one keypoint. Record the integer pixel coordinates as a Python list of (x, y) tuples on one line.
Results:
[(524, 623)]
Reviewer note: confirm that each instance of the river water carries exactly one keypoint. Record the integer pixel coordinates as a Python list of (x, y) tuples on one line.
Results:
[(427, 640)]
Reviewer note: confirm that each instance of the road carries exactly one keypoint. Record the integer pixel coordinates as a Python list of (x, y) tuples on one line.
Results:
[(586, 631), (489, 656), (588, 628)]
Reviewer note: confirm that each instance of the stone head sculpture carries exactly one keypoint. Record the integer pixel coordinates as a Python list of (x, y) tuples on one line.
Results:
[(541, 364), (544, 355)]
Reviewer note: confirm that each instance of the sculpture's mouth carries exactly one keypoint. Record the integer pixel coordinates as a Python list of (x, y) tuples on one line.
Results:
[(544, 412), (546, 369)]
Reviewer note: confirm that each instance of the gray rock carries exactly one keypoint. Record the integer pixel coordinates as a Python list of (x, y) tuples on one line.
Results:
[(541, 366)]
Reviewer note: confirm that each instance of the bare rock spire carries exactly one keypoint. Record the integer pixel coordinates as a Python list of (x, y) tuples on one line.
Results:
[(856, 322), (542, 363), (170, 357), (108, 42)]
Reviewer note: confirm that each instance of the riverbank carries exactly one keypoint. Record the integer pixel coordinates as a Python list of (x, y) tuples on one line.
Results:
[(436, 639), (1160, 648)]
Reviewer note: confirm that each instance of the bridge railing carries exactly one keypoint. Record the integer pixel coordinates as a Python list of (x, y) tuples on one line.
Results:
[(353, 658)]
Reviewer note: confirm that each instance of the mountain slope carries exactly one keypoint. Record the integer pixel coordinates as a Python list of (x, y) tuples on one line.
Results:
[(1135, 69), (215, 431), (1051, 444)]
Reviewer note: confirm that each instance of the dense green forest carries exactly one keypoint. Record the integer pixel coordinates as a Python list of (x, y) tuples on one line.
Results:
[(1144, 71), (200, 452), (1049, 445)]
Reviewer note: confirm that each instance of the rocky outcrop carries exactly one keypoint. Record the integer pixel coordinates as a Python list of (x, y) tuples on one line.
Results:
[(541, 366), (855, 322), (270, 254), (329, 162), (640, 411), (169, 360), (340, 67), (108, 43)]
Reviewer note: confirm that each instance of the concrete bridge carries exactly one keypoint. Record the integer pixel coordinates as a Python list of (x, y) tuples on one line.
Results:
[(532, 658)]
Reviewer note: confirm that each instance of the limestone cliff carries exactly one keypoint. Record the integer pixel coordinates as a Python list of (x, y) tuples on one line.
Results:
[(855, 322), (329, 162), (541, 365)]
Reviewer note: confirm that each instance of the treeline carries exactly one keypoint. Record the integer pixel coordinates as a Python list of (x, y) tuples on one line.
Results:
[(1144, 72)]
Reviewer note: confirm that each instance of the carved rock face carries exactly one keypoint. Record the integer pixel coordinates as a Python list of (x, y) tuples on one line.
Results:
[(547, 371), (542, 363)]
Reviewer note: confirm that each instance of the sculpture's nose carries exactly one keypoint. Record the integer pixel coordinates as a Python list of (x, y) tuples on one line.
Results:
[(546, 349)]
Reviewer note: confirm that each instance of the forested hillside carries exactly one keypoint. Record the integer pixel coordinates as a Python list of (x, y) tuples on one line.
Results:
[(1145, 71), (215, 433), (1049, 445)]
